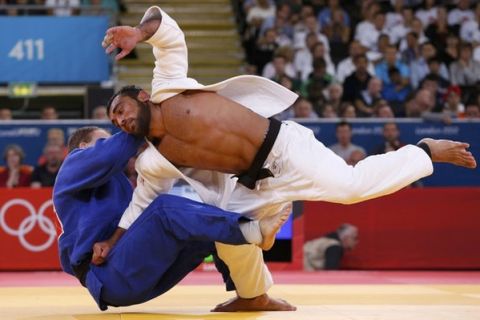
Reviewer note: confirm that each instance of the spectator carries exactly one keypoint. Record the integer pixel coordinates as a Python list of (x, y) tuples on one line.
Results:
[(49, 113), (398, 32), (5, 114), (383, 110), (420, 68), (261, 10), (303, 109), (320, 52), (314, 93), (358, 80), (14, 174), (364, 102), (434, 68), (346, 67), (100, 113), (419, 103), (369, 38), (367, 25), (328, 112), (63, 8), (333, 96), (412, 52), (417, 27), (264, 49), (310, 26), (439, 31), (453, 105), (326, 17), (57, 137), (383, 44), (319, 74), (391, 60), (391, 137), (461, 13), (472, 111), (327, 252), (470, 30), (281, 22), (465, 71), (279, 65), (396, 91), (434, 84), (304, 57), (428, 14), (344, 147), (274, 71), (338, 33), (395, 18), (44, 175), (299, 25), (347, 111)]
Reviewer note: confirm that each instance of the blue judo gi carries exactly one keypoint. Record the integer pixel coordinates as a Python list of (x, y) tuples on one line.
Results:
[(170, 238)]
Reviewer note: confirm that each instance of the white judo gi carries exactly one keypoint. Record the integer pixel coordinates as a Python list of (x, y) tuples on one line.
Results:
[(303, 168)]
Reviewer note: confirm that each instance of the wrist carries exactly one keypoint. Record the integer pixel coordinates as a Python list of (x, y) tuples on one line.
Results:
[(139, 35)]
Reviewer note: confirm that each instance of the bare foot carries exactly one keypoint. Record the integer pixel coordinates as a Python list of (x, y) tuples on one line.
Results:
[(269, 226), (260, 303), (451, 152)]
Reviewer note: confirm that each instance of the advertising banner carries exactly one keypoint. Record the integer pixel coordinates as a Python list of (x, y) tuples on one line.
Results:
[(28, 230), (54, 50)]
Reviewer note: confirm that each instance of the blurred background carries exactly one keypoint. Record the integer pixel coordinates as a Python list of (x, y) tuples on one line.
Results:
[(372, 76)]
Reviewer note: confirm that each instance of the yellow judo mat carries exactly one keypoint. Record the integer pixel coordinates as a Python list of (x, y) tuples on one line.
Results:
[(190, 302)]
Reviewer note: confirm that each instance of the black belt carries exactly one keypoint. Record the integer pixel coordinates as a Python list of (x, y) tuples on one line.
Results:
[(81, 271), (256, 172)]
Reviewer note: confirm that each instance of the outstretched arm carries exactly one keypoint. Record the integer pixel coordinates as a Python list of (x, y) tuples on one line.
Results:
[(126, 38)]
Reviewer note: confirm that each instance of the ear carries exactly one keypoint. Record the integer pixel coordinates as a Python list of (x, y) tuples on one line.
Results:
[(143, 96), (82, 145)]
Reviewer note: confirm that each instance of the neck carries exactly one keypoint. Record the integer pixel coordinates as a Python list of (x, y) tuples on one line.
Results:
[(157, 127)]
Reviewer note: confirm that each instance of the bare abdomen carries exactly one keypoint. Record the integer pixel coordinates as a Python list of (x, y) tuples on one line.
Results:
[(207, 131)]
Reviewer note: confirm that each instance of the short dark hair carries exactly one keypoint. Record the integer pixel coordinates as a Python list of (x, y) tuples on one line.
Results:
[(342, 124), (392, 71), (360, 56), (83, 134), (131, 90)]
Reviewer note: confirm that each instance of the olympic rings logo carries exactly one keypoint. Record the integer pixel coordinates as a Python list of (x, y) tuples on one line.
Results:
[(27, 225)]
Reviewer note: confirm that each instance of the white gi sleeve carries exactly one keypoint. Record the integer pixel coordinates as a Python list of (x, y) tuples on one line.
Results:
[(169, 48)]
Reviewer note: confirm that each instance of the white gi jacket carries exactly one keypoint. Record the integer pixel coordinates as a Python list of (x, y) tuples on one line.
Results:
[(303, 167), (157, 175)]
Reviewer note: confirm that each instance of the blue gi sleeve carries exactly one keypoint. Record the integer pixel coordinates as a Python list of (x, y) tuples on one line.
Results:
[(91, 167)]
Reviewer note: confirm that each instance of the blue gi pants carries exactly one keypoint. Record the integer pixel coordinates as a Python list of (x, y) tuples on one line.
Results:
[(169, 240)]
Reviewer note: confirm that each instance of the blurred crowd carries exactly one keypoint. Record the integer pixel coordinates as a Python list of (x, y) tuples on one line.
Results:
[(346, 59), (397, 58)]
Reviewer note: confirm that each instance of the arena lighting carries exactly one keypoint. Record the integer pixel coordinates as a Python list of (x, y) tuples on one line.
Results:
[(22, 89)]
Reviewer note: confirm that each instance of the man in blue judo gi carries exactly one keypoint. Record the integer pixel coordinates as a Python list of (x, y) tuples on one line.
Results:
[(169, 240)]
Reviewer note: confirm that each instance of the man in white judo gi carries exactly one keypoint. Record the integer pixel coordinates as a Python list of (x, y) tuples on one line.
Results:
[(219, 139)]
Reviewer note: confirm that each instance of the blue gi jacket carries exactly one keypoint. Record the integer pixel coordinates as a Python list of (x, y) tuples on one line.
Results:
[(90, 194)]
